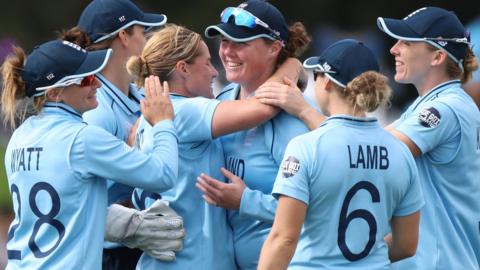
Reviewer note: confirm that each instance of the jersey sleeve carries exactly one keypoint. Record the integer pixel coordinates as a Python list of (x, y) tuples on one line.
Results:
[(292, 178), (257, 205), (413, 199), (434, 124), (193, 118), (101, 118), (97, 153)]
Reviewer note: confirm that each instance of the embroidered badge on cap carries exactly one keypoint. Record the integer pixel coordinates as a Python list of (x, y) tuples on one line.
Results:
[(290, 167), (429, 117)]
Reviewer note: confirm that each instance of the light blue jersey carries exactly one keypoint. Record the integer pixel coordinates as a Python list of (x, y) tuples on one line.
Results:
[(353, 176), (208, 241), (255, 156), (445, 125), (56, 166), (116, 113)]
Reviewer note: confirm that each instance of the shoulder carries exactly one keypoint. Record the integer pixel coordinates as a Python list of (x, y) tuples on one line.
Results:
[(182, 105), (229, 92), (102, 116)]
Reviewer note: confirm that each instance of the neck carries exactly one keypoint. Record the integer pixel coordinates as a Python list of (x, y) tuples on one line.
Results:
[(337, 105), (116, 73), (247, 88), (177, 85), (432, 79)]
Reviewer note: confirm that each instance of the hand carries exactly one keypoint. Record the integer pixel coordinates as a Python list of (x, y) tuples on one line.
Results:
[(286, 96), (133, 133), (293, 69), (226, 195), (158, 230), (157, 105)]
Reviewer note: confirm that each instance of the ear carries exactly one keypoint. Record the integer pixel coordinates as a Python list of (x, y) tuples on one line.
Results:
[(439, 57), (275, 48), (182, 68), (327, 84), (123, 37), (54, 94)]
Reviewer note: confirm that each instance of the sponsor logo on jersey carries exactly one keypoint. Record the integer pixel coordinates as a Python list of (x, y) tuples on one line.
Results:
[(290, 166), (429, 117)]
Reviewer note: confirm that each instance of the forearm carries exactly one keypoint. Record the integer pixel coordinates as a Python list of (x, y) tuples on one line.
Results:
[(311, 117), (257, 205), (233, 116), (277, 252), (395, 253), (292, 68)]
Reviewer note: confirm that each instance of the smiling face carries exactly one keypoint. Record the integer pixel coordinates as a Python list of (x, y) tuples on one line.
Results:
[(248, 63), (81, 99), (412, 61), (202, 73)]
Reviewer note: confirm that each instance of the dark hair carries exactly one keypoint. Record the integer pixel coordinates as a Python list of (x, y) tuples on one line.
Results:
[(78, 36), (297, 43)]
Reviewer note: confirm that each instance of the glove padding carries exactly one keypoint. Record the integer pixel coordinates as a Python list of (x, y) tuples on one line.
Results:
[(158, 230)]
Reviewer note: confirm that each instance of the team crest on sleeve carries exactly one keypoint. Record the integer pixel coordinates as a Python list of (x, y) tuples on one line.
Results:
[(429, 117), (290, 167)]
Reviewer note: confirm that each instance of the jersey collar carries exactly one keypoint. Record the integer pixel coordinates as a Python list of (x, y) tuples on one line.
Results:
[(61, 108), (359, 121), (130, 104), (436, 90)]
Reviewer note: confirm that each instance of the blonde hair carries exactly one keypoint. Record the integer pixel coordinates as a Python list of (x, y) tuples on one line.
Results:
[(15, 103), (367, 91), (163, 51)]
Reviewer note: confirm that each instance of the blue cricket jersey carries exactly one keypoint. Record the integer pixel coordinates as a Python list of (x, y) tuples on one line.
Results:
[(56, 166), (255, 156), (354, 177), (116, 113), (445, 125), (208, 241)]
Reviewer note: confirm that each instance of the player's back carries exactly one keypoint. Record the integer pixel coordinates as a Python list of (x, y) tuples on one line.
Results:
[(53, 207), (359, 177)]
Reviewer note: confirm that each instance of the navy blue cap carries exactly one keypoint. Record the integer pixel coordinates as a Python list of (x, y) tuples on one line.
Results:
[(57, 63), (264, 11), (439, 27), (103, 19), (343, 61)]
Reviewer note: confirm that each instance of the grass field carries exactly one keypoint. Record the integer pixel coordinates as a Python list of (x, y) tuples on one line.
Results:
[(5, 202)]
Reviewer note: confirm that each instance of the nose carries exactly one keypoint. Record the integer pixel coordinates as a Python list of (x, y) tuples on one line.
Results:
[(394, 50), (96, 83), (214, 72)]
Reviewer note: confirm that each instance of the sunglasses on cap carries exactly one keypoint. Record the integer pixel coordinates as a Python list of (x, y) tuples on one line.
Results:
[(82, 82), (244, 18)]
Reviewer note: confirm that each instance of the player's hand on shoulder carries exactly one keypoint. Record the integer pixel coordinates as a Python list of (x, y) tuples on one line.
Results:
[(157, 105), (285, 95)]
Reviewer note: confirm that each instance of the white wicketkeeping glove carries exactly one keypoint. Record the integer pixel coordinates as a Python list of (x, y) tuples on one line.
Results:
[(158, 230)]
